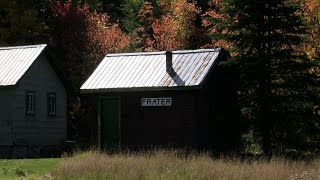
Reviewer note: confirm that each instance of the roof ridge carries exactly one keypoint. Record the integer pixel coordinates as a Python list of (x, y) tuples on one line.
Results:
[(23, 47), (163, 52), (136, 53), (196, 50)]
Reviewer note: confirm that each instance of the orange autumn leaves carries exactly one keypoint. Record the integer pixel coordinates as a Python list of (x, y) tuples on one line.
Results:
[(78, 23), (82, 38), (170, 25), (170, 31), (311, 13)]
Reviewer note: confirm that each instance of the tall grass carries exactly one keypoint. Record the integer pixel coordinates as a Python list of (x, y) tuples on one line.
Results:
[(172, 165)]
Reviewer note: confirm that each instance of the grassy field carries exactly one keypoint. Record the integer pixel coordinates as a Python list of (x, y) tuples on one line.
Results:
[(164, 165), (27, 168), (157, 165)]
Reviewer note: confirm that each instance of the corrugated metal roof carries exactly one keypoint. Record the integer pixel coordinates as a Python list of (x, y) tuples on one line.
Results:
[(15, 61), (148, 70)]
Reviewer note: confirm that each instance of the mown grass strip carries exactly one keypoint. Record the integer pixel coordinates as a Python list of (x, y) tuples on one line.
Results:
[(27, 168)]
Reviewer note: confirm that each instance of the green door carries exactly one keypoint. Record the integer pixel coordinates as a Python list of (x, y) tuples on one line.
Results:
[(110, 122)]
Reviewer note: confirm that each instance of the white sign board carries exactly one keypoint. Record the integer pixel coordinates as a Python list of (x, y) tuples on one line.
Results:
[(161, 101)]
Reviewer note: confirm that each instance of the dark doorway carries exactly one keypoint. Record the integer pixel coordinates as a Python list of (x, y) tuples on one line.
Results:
[(110, 122)]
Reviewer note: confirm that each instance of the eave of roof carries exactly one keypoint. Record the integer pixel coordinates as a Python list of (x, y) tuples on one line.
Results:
[(23, 47), (139, 89)]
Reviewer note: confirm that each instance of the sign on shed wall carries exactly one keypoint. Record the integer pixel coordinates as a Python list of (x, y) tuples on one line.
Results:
[(160, 101)]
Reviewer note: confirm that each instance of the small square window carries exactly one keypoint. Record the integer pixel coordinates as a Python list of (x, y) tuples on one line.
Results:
[(30, 103), (51, 99)]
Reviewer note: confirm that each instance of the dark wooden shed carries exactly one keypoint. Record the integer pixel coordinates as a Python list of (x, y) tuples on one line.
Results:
[(178, 98)]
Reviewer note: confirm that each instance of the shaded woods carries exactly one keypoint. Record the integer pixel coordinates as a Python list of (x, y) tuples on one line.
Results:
[(275, 47)]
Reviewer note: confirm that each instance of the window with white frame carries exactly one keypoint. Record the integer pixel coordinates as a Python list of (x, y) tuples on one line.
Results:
[(51, 99), (30, 103)]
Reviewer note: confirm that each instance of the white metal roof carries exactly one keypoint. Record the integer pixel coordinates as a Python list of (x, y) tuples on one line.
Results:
[(148, 70), (15, 61)]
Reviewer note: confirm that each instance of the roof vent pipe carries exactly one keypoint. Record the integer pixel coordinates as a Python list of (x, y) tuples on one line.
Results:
[(169, 67)]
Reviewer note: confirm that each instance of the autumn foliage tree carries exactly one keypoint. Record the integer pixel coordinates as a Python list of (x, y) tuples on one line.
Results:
[(81, 38), (145, 31), (184, 14), (164, 34), (170, 29), (311, 14)]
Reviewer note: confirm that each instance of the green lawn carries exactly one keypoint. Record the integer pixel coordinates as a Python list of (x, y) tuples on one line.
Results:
[(27, 168)]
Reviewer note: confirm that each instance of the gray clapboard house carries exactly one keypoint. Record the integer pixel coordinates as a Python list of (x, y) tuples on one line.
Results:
[(32, 100)]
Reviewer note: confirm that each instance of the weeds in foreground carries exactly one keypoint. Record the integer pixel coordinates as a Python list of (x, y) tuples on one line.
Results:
[(171, 165)]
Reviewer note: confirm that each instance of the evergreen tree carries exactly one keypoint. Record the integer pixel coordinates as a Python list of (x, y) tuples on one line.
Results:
[(130, 10), (278, 92)]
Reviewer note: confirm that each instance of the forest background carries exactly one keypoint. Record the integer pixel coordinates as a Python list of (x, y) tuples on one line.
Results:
[(274, 45)]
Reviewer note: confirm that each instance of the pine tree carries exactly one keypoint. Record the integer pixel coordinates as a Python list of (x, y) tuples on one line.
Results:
[(277, 90)]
